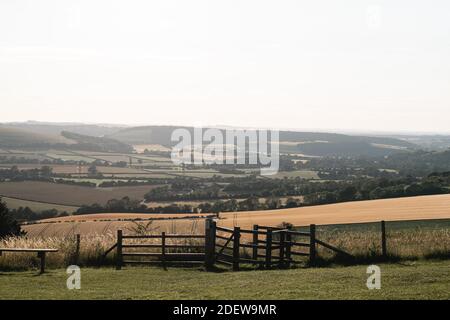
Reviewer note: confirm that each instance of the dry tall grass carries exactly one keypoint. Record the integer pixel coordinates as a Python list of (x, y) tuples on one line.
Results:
[(401, 244), (364, 244), (92, 246), (91, 251)]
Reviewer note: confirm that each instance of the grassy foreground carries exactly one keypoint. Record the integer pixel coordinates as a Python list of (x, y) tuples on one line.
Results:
[(409, 280)]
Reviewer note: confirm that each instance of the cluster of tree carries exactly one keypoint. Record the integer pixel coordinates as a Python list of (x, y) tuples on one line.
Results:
[(14, 174), (48, 162), (314, 193), (8, 224), (23, 160), (179, 193), (45, 173), (120, 164), (76, 183), (417, 163), (132, 206), (249, 204), (123, 183), (26, 214), (380, 189), (114, 205)]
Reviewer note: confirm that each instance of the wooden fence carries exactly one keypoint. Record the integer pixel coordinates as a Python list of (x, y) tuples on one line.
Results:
[(168, 253), (266, 247)]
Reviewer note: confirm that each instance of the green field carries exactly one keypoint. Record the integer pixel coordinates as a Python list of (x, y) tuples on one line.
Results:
[(415, 280), (304, 174)]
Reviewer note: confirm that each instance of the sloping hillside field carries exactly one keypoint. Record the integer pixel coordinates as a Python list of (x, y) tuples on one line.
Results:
[(414, 208)]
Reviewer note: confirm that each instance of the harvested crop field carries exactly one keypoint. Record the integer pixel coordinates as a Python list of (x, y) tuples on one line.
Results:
[(71, 195), (304, 174), (414, 208)]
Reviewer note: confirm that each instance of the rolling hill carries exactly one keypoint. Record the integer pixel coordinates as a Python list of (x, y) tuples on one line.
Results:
[(116, 139), (309, 143), (11, 137), (86, 142), (55, 129), (46, 136), (147, 135)]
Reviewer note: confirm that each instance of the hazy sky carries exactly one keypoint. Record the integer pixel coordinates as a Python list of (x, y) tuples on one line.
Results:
[(368, 65)]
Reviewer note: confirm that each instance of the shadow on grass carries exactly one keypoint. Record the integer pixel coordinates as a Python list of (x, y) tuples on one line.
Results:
[(438, 255), (329, 261), (345, 260)]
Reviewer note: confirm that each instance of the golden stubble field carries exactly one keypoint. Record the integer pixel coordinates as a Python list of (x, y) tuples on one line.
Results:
[(413, 208)]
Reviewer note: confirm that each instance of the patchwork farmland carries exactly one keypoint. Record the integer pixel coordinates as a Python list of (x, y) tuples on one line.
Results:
[(53, 191)]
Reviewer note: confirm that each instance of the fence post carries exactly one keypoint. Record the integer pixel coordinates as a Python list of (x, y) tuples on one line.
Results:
[(236, 242), (163, 249), (210, 243), (269, 248), (288, 247), (383, 239), (281, 252), (119, 250), (77, 249), (255, 242), (312, 245)]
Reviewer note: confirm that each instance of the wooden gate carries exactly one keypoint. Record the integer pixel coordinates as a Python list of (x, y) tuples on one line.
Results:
[(266, 247), (262, 246)]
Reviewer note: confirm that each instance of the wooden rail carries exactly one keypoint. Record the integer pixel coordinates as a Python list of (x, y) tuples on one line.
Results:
[(329, 246), (41, 253), (163, 256)]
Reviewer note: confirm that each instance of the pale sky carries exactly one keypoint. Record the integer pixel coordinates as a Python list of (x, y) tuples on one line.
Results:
[(323, 64)]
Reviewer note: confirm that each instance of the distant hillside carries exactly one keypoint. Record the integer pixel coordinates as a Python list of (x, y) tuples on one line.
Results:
[(295, 136), (332, 144), (118, 139), (56, 128), (429, 142), (18, 138), (147, 135), (15, 138), (350, 148), (309, 143), (102, 144)]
